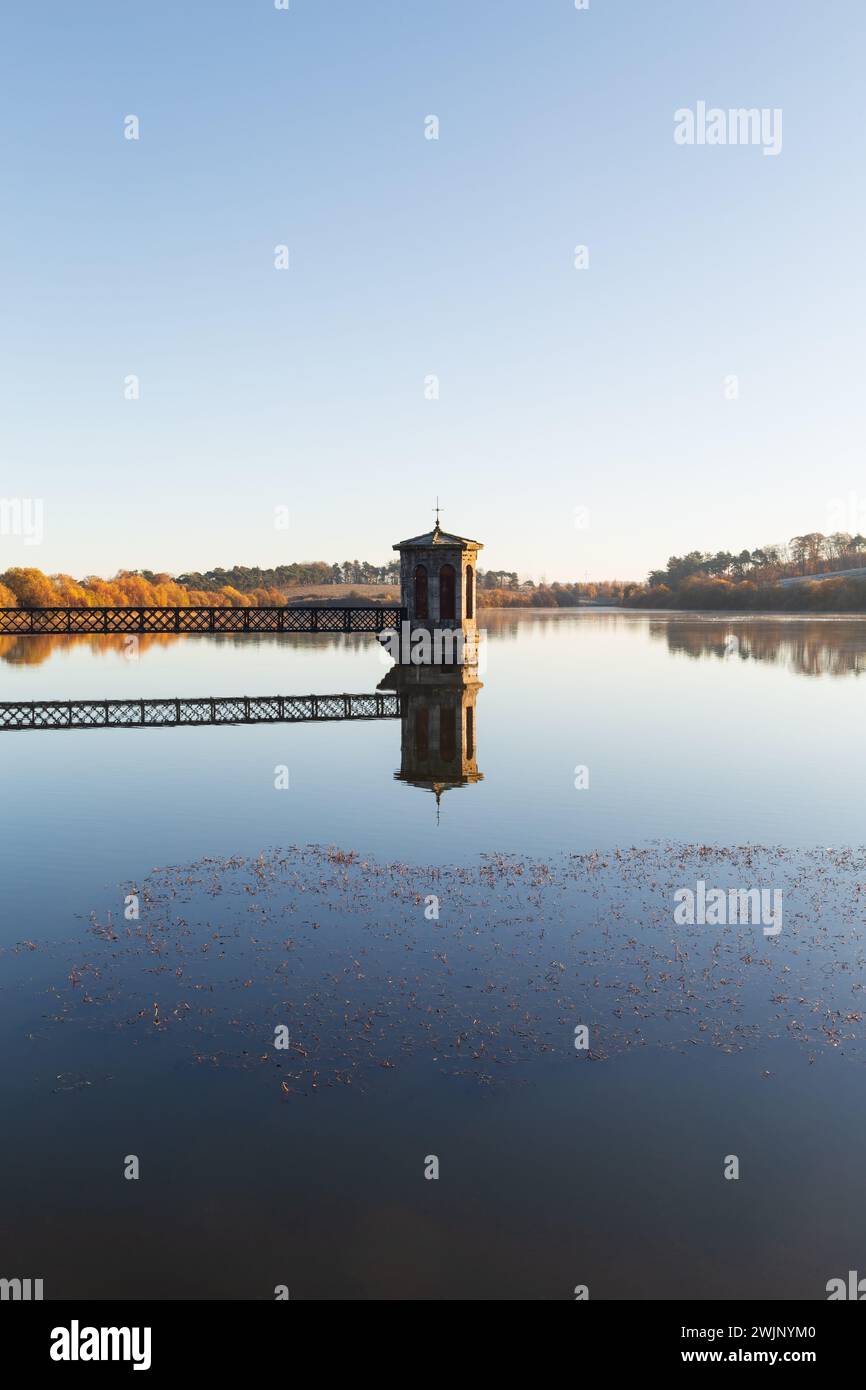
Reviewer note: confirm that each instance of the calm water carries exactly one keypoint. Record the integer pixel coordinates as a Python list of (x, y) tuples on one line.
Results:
[(453, 1036)]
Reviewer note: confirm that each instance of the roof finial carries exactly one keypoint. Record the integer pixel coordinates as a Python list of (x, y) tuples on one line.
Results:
[(437, 513)]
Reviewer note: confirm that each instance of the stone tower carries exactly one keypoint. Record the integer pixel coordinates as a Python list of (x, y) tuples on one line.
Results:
[(437, 584)]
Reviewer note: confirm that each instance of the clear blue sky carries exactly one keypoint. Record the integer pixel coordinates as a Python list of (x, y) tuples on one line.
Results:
[(560, 388)]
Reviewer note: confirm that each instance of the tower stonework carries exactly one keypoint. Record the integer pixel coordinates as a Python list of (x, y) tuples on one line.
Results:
[(438, 573)]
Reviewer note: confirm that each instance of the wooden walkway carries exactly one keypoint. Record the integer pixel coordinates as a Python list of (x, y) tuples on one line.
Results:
[(68, 622)]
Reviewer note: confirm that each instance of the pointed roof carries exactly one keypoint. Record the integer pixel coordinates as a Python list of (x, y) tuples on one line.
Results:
[(438, 537)]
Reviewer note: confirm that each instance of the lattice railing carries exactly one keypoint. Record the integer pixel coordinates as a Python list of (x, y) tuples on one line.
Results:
[(223, 709), (31, 622)]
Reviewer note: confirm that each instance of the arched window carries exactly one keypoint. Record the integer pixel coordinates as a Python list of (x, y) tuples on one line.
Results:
[(470, 732), (470, 596), (447, 588), (447, 733), (421, 592)]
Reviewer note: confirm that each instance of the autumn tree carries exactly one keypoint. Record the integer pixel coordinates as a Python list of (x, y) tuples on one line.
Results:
[(31, 587)]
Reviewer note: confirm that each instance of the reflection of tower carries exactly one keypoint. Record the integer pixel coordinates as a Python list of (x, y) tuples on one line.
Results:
[(438, 735)]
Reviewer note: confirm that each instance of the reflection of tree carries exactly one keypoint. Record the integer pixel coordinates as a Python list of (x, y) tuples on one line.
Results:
[(33, 651), (505, 624), (835, 648)]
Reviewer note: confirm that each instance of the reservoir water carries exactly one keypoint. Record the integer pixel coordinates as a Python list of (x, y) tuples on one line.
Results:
[(431, 909)]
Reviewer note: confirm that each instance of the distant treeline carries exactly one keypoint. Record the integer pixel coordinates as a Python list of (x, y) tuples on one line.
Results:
[(496, 588), (30, 588), (529, 595), (318, 572), (820, 596), (681, 585), (246, 578), (751, 578), (813, 553), (251, 587)]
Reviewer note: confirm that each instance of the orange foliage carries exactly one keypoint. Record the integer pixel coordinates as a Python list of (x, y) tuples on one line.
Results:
[(30, 588), (70, 594)]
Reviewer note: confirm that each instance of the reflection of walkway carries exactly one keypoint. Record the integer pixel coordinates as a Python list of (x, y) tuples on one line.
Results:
[(224, 709)]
